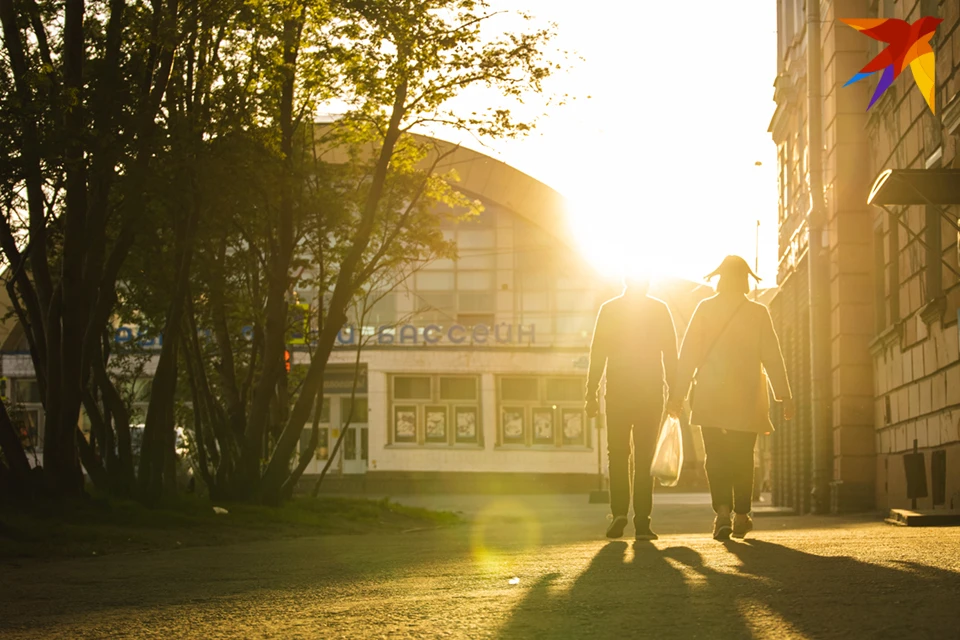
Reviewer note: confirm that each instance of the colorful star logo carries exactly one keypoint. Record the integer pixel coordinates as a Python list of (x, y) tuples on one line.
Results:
[(909, 45)]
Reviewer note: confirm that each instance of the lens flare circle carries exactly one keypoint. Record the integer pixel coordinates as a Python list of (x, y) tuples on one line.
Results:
[(499, 532)]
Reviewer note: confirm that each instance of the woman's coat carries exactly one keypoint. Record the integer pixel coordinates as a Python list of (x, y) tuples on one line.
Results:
[(731, 380)]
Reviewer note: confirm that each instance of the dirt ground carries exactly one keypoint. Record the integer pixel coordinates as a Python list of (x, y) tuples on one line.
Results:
[(521, 567)]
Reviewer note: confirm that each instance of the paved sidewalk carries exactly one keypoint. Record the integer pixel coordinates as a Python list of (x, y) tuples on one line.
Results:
[(521, 567)]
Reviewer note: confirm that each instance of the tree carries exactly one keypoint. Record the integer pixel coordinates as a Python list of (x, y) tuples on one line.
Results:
[(195, 123), (350, 220), (81, 107), (409, 60)]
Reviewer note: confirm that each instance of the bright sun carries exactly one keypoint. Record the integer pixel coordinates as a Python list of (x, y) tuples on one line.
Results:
[(668, 228), (617, 240), (656, 150)]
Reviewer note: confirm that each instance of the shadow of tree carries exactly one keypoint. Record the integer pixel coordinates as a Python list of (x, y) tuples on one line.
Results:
[(764, 590)]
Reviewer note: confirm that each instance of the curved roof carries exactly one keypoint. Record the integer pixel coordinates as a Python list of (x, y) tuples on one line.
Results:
[(494, 181), (510, 188)]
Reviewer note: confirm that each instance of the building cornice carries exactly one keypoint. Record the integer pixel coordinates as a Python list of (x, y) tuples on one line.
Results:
[(934, 310), (785, 96), (887, 338)]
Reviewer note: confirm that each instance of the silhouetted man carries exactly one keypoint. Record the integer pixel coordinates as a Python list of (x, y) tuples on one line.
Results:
[(635, 341)]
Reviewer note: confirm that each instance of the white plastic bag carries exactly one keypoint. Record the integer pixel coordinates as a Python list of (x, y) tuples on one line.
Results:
[(668, 459)]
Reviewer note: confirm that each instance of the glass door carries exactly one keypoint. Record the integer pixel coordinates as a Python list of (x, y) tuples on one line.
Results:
[(355, 451)]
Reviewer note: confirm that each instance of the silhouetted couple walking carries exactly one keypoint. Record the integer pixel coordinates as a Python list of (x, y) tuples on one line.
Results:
[(729, 352)]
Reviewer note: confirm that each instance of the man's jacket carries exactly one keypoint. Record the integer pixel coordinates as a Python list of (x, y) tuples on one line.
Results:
[(635, 340)]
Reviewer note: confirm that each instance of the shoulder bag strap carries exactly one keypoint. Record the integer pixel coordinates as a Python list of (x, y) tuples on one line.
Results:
[(722, 331)]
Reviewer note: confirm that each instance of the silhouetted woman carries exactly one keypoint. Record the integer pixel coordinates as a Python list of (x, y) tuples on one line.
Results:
[(729, 350)]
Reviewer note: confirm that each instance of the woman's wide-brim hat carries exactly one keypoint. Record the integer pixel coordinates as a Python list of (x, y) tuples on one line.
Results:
[(734, 265)]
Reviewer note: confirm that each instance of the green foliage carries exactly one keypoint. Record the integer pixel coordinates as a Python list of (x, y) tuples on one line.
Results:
[(196, 129)]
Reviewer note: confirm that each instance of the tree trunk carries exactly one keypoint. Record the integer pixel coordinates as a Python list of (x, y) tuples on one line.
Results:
[(278, 469), (279, 274), (306, 455), (73, 298), (158, 432), (17, 465), (92, 462)]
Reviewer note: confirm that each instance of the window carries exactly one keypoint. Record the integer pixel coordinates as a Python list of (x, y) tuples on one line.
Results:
[(518, 389), (435, 410), (323, 441), (435, 308), (466, 282), (573, 427), (350, 444), (880, 293), (574, 325), (323, 444), (324, 411), (383, 311), (467, 424), (542, 412), (933, 241), (476, 302), (405, 423), (473, 319), (440, 264), (893, 269), (477, 259), (436, 424), (458, 388), (434, 280), (565, 389), (535, 301), (323, 432), (411, 388), (543, 432), (475, 280), (359, 407), (514, 429), (27, 425), (26, 390), (435, 301), (476, 239)]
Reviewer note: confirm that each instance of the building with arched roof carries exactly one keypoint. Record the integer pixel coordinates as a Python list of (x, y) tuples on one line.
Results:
[(472, 370)]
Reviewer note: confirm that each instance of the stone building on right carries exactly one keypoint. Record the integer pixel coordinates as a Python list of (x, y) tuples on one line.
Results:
[(869, 293)]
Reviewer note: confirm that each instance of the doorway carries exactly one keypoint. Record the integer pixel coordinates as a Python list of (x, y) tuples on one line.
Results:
[(354, 454)]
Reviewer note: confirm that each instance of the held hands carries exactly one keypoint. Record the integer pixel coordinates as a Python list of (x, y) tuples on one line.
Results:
[(674, 406), (789, 409)]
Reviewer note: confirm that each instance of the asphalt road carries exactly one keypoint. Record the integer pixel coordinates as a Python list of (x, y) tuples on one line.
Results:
[(525, 567)]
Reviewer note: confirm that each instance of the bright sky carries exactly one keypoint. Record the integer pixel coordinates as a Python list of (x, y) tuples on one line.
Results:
[(659, 161)]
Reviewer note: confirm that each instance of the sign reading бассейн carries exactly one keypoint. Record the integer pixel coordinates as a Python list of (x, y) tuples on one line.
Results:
[(434, 334), (406, 334)]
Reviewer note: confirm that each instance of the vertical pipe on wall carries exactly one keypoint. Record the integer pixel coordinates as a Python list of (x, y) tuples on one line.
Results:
[(816, 268)]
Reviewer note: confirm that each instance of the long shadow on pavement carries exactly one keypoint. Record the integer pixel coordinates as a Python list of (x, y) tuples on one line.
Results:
[(838, 596), (639, 595), (765, 590)]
